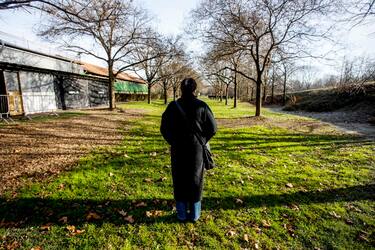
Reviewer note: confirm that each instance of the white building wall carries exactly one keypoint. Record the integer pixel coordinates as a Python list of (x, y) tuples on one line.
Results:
[(37, 92)]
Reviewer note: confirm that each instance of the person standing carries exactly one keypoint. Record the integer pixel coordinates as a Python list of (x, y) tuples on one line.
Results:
[(179, 130)]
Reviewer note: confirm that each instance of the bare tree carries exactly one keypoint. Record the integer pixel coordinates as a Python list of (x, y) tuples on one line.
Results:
[(47, 6), (286, 69), (113, 28), (153, 55), (15, 4), (172, 74), (359, 10), (258, 28)]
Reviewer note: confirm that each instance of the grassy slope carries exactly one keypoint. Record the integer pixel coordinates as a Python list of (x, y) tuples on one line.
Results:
[(246, 200), (331, 99)]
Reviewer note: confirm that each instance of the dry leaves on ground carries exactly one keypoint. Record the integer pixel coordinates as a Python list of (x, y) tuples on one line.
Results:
[(34, 151)]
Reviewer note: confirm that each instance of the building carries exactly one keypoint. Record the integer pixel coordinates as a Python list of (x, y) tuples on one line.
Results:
[(127, 87), (36, 80)]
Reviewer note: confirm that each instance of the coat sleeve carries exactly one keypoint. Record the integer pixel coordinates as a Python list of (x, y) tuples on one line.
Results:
[(165, 127), (210, 127)]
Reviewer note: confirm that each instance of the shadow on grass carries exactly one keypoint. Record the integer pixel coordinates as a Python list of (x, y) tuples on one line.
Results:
[(26, 212)]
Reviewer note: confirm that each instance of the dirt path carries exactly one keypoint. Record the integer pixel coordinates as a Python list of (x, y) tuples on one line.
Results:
[(32, 151), (345, 121)]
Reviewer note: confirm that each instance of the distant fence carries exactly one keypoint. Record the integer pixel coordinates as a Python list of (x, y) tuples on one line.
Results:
[(39, 103)]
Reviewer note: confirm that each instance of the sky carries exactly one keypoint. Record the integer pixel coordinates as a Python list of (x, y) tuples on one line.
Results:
[(170, 17)]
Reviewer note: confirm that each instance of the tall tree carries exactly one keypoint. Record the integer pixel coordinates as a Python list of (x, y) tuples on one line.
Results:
[(108, 30), (258, 28)]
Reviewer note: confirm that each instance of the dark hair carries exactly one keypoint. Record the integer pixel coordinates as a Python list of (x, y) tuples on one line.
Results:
[(188, 86)]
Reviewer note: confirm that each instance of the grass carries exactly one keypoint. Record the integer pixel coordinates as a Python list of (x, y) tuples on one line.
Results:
[(272, 189)]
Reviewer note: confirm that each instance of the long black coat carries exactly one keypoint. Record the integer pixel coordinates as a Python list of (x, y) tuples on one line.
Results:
[(186, 151)]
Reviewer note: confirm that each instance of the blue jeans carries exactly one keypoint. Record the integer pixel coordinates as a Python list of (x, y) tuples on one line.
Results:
[(188, 210)]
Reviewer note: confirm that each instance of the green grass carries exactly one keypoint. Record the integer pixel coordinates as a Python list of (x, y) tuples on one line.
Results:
[(246, 201)]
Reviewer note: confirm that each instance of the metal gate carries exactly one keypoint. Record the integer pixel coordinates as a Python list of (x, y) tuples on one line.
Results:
[(4, 108)]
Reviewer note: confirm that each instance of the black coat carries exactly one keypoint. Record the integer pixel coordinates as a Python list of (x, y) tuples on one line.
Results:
[(186, 151)]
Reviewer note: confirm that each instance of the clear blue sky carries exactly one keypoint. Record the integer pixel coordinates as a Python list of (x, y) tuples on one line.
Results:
[(171, 14)]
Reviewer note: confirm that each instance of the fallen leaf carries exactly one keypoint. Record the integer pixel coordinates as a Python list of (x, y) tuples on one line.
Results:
[(239, 201), (258, 230), (266, 223), (111, 174), (46, 227), (129, 219), (290, 229), (61, 186), (63, 220), (71, 229), (362, 236), (148, 180), (163, 179), (79, 231), (154, 213), (123, 213), (333, 213), (256, 246), (353, 208), (93, 216), (349, 222), (36, 248), (285, 216), (209, 217), (289, 185), (141, 204), (231, 233), (294, 207), (14, 245), (246, 237)]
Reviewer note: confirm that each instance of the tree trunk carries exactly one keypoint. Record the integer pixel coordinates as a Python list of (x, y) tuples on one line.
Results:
[(165, 95), (264, 94), (221, 93), (247, 92), (148, 93), (111, 91), (284, 90), (258, 101), (235, 90), (272, 91), (226, 94)]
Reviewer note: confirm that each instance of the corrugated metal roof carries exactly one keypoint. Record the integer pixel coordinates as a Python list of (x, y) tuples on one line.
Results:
[(101, 71)]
